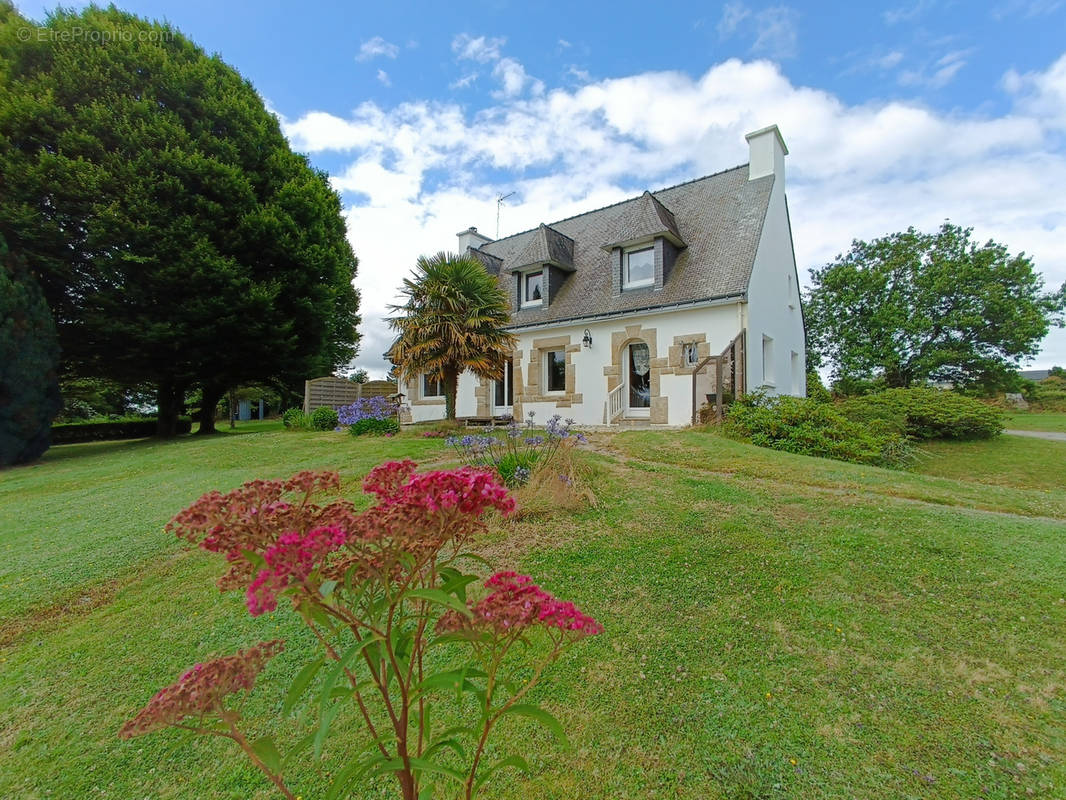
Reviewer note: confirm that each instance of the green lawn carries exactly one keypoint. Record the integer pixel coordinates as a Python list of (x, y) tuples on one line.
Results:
[(1037, 421), (1005, 461), (776, 626)]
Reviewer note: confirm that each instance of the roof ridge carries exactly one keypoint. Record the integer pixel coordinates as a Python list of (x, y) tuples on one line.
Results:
[(620, 202)]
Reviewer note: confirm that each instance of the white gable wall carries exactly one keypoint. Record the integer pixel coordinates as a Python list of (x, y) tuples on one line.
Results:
[(773, 309)]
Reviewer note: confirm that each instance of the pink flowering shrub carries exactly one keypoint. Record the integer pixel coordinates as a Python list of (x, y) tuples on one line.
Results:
[(382, 593)]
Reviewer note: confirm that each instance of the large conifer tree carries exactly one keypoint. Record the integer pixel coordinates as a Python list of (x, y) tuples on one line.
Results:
[(178, 239)]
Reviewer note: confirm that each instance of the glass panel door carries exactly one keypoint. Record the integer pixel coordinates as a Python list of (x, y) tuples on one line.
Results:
[(502, 394), (639, 377)]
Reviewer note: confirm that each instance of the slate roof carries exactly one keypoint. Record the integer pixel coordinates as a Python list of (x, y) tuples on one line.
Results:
[(545, 245), (645, 217), (719, 218)]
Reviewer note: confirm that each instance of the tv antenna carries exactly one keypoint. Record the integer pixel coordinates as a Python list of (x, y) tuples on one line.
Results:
[(499, 202)]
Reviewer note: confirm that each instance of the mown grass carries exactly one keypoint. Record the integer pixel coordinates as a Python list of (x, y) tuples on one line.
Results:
[(1037, 421), (1016, 461), (776, 626)]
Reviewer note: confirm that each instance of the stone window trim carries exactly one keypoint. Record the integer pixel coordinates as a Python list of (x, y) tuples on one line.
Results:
[(534, 388), (676, 354), (418, 398), (620, 340)]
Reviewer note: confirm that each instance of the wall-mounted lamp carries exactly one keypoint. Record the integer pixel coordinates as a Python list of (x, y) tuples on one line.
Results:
[(587, 339)]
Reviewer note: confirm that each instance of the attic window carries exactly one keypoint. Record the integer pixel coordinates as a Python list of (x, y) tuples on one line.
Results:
[(531, 288), (639, 268)]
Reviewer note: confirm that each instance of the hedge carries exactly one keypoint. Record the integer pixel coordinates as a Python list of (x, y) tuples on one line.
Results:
[(73, 432)]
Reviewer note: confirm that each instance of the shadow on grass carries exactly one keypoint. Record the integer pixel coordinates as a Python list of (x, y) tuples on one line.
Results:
[(67, 452)]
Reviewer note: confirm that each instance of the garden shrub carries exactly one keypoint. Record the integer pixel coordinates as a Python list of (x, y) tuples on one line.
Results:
[(922, 413), (516, 468), (371, 415), (382, 593), (29, 363), (1050, 394), (519, 451), (324, 419), (374, 427), (808, 427), (294, 419)]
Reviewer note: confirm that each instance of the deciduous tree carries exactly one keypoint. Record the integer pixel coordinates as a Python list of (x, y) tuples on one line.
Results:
[(913, 306)]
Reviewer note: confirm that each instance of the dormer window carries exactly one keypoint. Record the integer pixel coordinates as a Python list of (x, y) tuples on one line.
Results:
[(532, 289), (639, 268)]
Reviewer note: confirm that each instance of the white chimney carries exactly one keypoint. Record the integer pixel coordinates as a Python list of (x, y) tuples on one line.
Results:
[(766, 153), (472, 239)]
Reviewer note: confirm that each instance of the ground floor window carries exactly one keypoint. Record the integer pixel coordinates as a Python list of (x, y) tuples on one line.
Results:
[(432, 387), (555, 367), (503, 390)]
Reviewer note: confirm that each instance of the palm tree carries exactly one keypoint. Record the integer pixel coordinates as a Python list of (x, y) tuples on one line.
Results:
[(453, 320)]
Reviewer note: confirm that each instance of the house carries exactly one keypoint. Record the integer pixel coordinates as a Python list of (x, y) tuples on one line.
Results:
[(646, 309)]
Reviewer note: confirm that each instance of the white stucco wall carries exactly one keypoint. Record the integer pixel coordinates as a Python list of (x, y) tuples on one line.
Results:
[(432, 409), (716, 325), (773, 308)]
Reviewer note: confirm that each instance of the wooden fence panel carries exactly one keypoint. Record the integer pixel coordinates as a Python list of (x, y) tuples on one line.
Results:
[(332, 392)]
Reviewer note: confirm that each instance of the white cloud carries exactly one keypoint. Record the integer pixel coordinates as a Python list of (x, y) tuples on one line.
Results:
[(776, 34), (463, 82), (420, 171), (906, 13), (1041, 94), (773, 29), (481, 49), (383, 78), (889, 60), (514, 79), (939, 74), (377, 47), (1026, 8), (732, 15)]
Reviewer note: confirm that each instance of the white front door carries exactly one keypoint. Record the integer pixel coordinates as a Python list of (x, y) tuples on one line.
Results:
[(638, 380), (503, 395)]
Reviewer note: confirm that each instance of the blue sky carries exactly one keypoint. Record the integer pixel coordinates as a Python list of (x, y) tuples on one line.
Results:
[(895, 114)]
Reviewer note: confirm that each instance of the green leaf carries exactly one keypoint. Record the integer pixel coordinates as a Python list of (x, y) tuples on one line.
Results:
[(439, 597), (298, 748), (338, 669), (299, 685), (511, 761), (543, 717), (452, 744), (350, 773), (422, 765), (255, 559), (268, 753), (329, 714), (326, 588), (457, 680)]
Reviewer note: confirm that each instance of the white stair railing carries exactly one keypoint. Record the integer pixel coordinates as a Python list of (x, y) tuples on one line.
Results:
[(614, 403)]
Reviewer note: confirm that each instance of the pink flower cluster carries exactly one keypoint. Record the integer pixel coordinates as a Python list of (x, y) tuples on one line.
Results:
[(202, 689), (252, 517), (416, 514), (293, 558), (517, 603)]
